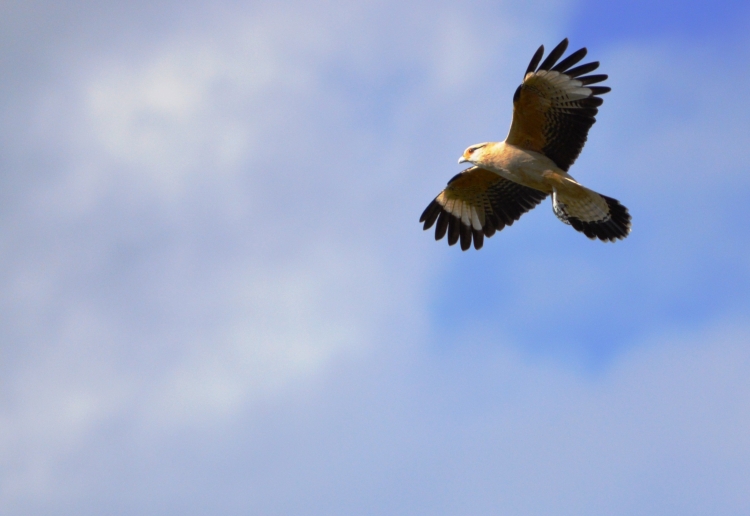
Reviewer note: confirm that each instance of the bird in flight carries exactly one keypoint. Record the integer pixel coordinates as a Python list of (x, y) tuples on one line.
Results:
[(553, 110)]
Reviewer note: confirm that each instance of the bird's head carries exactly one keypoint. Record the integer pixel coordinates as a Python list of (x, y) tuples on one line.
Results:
[(473, 154)]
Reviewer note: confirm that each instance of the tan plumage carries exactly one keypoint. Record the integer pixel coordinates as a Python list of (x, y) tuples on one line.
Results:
[(553, 110)]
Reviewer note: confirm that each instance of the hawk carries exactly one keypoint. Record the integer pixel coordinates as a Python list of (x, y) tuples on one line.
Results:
[(553, 110)]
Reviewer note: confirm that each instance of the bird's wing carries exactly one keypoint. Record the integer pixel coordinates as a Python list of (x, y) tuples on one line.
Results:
[(555, 106), (475, 204)]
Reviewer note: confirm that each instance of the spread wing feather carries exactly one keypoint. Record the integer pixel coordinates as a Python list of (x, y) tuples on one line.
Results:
[(554, 107), (553, 56), (477, 203)]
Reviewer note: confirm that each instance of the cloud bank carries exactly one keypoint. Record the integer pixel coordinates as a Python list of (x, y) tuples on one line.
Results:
[(216, 297)]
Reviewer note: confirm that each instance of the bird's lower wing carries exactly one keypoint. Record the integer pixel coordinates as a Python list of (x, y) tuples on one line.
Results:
[(477, 203)]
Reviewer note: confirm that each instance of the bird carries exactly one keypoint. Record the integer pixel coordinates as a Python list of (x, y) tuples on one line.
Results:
[(553, 109)]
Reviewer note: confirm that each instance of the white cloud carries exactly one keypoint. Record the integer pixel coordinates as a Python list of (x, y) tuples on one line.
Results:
[(196, 249), (204, 267)]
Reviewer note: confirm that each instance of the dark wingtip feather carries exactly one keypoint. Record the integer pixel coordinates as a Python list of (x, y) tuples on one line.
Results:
[(478, 239), (424, 213), (465, 234), (489, 225), (570, 60), (599, 90), (592, 79), (535, 60), (442, 225), (430, 214), (454, 229), (592, 102), (493, 224), (583, 69), (553, 56)]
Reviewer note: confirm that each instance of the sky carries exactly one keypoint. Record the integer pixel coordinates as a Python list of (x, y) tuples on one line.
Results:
[(216, 298)]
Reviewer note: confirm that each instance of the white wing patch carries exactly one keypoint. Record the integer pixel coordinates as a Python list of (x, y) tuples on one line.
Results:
[(475, 222), (461, 210), (561, 87)]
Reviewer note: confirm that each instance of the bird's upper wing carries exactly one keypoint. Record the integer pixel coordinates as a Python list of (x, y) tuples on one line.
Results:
[(554, 107), (475, 204)]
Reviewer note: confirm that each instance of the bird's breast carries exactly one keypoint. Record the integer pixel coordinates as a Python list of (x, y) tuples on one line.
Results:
[(522, 166)]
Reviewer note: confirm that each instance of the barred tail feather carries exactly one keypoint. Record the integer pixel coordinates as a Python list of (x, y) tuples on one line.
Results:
[(593, 214)]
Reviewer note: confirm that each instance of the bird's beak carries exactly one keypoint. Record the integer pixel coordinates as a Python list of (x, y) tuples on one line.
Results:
[(462, 159)]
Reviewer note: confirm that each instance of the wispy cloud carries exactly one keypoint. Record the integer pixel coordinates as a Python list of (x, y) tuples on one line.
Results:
[(213, 275)]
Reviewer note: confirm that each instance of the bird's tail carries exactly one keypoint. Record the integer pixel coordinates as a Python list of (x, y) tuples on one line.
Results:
[(593, 214)]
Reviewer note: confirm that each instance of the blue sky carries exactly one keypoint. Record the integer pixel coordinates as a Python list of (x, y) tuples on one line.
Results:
[(216, 297)]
